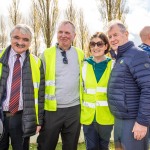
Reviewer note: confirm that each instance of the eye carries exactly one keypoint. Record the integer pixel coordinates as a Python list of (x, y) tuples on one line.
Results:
[(26, 40), (16, 37), (100, 44), (67, 33), (60, 32), (115, 34), (92, 44), (109, 37)]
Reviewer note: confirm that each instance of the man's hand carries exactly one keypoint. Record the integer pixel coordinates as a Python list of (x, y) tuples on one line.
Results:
[(139, 131), (38, 128)]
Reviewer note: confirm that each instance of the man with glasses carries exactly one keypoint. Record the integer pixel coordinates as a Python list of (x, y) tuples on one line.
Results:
[(62, 65), (21, 91)]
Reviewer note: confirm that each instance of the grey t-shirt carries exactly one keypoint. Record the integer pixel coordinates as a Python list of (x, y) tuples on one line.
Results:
[(67, 79)]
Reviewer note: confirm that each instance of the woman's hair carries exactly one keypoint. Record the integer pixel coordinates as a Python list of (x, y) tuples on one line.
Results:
[(103, 37)]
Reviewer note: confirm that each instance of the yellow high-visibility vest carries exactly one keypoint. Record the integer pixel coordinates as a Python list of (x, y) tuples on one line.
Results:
[(94, 98), (50, 81)]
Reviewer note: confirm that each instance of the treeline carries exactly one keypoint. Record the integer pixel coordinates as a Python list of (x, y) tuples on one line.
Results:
[(44, 15)]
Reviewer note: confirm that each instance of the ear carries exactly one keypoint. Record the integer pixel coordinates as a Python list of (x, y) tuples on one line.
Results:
[(106, 46), (148, 36), (74, 35), (127, 33)]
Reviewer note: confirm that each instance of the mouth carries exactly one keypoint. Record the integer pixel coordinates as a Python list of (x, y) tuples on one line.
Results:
[(114, 44), (96, 51), (20, 45)]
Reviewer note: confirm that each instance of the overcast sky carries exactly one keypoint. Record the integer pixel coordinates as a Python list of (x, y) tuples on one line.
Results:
[(138, 17)]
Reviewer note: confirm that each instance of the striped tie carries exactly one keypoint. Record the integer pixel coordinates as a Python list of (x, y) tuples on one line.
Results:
[(15, 87)]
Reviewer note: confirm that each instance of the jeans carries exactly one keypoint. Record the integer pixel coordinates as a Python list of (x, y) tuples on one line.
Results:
[(97, 136), (124, 138)]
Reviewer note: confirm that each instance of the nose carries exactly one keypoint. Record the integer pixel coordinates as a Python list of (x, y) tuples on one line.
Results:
[(20, 41), (63, 34)]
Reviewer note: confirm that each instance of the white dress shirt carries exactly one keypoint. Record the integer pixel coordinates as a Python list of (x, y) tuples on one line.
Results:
[(11, 61)]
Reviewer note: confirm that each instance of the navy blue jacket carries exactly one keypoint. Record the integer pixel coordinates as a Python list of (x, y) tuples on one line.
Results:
[(129, 85)]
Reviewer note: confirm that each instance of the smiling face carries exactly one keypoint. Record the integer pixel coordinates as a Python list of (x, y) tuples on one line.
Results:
[(65, 36), (117, 37), (97, 47), (20, 41)]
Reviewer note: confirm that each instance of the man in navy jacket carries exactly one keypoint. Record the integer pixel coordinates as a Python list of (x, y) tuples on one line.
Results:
[(129, 90)]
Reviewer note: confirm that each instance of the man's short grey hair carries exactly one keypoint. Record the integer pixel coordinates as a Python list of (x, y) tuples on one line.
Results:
[(68, 22), (23, 28), (113, 23)]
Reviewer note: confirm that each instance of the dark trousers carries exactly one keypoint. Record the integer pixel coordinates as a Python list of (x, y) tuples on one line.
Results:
[(97, 136), (13, 130), (124, 138), (65, 121)]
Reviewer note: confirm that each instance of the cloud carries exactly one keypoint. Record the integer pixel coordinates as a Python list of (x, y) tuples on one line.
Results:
[(138, 16)]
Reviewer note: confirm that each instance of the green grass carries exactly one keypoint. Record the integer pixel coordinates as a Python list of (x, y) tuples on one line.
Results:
[(81, 146)]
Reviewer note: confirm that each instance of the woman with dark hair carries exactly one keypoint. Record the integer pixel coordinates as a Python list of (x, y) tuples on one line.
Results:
[(96, 117)]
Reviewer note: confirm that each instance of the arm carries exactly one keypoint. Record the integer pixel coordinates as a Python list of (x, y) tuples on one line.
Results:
[(41, 96), (140, 69), (139, 131)]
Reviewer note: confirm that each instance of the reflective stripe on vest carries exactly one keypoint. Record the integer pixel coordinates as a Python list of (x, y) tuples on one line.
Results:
[(94, 91), (36, 85), (50, 97), (93, 105), (101, 103), (88, 104), (36, 101), (50, 83)]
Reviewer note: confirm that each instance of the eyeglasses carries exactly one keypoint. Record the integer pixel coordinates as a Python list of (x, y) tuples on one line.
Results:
[(65, 60), (99, 44), (17, 38)]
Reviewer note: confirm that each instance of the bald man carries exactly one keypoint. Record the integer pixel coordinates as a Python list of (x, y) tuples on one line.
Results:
[(145, 38)]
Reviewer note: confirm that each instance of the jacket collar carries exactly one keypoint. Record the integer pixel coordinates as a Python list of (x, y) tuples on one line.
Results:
[(125, 47), (4, 58), (121, 49)]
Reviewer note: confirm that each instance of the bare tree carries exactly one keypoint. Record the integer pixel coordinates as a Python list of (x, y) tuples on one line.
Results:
[(14, 12), (83, 33), (48, 12), (71, 15), (3, 33), (71, 12), (35, 23), (112, 9)]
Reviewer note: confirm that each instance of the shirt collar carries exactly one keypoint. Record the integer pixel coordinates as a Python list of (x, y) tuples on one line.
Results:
[(57, 46), (13, 53)]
